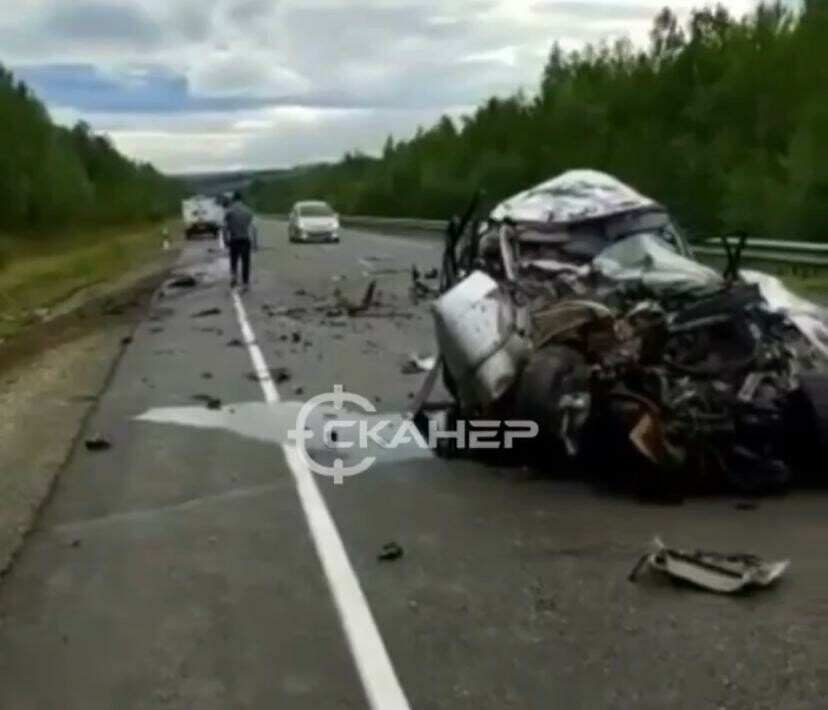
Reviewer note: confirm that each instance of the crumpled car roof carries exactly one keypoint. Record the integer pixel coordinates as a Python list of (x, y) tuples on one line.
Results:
[(573, 196)]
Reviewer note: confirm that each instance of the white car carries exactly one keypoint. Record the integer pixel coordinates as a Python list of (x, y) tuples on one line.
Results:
[(313, 222), (202, 215)]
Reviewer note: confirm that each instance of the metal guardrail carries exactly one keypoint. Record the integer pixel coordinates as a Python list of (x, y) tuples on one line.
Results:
[(431, 226), (781, 254)]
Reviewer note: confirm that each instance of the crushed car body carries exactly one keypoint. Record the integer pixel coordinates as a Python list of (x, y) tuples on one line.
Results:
[(578, 305)]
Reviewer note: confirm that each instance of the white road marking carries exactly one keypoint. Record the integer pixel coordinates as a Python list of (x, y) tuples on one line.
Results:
[(379, 679)]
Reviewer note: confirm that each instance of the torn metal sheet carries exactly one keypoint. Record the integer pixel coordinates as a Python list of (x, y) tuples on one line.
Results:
[(416, 364), (573, 196), (479, 334), (713, 571)]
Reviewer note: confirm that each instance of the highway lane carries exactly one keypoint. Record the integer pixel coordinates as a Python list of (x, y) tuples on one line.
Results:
[(179, 570)]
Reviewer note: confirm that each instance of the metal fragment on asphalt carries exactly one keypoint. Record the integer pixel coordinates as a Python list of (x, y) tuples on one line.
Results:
[(713, 571), (97, 443), (390, 552), (207, 312)]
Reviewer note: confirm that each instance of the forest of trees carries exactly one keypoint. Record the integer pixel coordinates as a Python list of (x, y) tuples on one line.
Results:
[(724, 120), (52, 178)]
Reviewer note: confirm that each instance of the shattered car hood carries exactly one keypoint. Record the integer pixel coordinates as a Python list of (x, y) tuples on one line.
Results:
[(647, 260), (573, 196)]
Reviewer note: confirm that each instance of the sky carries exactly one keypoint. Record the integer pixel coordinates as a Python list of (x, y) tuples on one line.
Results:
[(205, 85)]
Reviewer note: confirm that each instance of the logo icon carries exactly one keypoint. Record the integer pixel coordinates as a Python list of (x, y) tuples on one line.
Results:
[(302, 433)]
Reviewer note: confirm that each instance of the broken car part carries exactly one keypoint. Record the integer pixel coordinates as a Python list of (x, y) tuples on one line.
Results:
[(97, 443), (715, 572)]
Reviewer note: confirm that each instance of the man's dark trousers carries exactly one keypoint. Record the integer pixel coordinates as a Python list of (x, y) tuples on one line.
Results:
[(240, 250)]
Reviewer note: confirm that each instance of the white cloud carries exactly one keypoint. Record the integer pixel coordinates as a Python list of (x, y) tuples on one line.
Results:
[(354, 70)]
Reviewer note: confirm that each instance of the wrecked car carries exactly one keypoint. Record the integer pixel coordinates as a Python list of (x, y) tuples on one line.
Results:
[(578, 305)]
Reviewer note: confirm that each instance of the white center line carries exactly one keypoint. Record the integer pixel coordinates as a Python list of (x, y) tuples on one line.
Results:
[(374, 666)]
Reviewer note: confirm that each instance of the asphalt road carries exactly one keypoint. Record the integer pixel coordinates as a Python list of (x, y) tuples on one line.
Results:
[(198, 563)]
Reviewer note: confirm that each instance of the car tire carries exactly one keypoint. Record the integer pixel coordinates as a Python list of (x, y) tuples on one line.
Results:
[(549, 374), (805, 425)]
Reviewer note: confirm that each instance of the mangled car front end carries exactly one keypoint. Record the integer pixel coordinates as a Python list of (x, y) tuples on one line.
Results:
[(578, 305)]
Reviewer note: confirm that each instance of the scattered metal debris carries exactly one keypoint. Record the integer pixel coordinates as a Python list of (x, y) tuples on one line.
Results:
[(416, 364), (206, 313), (97, 443), (390, 552), (235, 343), (213, 403), (280, 311), (183, 281), (280, 375), (353, 309), (715, 572), (419, 290), (127, 340)]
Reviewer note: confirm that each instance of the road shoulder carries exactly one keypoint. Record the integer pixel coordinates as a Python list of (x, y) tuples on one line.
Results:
[(51, 377)]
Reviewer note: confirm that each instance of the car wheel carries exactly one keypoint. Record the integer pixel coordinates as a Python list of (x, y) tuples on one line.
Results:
[(805, 425), (549, 375)]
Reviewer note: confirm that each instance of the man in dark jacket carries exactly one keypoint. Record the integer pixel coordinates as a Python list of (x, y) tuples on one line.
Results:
[(240, 234)]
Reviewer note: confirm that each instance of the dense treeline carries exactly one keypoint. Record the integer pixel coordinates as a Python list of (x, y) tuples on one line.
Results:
[(724, 120), (53, 177)]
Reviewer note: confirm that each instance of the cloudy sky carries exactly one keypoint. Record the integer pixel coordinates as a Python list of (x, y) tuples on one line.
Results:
[(221, 84)]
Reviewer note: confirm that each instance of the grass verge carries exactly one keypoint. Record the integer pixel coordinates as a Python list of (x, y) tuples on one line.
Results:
[(38, 274)]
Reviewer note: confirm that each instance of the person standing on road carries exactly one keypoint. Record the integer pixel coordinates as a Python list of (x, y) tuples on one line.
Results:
[(241, 230)]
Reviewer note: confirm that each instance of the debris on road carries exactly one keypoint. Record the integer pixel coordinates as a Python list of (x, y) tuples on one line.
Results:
[(97, 443), (352, 308), (207, 313), (296, 337), (183, 281), (235, 343), (282, 311), (715, 572), (578, 305), (419, 290), (127, 340), (280, 375), (416, 365), (213, 403), (390, 552)]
